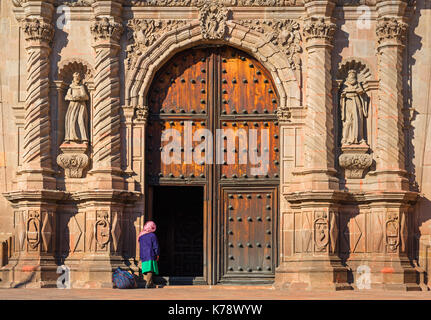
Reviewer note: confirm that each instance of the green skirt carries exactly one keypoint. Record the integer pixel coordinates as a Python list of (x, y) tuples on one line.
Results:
[(150, 266)]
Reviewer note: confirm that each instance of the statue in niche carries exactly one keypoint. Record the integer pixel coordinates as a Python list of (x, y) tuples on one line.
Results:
[(354, 110), (76, 120)]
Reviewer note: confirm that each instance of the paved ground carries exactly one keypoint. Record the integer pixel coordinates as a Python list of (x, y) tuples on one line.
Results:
[(204, 293)]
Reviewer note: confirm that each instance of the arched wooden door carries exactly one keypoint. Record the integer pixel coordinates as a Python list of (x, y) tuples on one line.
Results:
[(230, 94)]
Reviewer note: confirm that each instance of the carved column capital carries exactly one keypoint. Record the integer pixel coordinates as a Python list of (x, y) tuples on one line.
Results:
[(141, 114), (390, 31), (284, 114), (105, 31), (37, 31), (318, 29)]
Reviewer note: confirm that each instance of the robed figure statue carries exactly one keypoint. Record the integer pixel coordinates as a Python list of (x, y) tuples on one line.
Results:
[(354, 110), (76, 116)]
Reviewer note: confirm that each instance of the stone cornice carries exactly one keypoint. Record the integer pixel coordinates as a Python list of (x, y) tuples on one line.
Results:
[(34, 195)]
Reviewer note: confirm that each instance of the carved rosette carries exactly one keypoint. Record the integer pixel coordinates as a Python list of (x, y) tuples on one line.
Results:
[(319, 29), (36, 30), (390, 30), (73, 159), (104, 29), (212, 18), (141, 114), (355, 164)]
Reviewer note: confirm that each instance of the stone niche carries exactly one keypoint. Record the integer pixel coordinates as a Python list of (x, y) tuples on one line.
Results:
[(74, 89), (354, 109)]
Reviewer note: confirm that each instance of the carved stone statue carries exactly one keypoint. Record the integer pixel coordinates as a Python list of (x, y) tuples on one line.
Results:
[(76, 120), (354, 110)]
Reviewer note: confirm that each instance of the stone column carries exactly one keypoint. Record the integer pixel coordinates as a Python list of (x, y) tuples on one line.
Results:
[(106, 30), (391, 203), (319, 172), (391, 37), (312, 220), (34, 199)]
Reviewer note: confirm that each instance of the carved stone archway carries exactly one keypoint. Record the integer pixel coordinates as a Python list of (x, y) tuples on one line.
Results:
[(173, 36)]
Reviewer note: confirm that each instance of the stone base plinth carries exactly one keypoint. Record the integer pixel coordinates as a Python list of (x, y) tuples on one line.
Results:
[(312, 274)]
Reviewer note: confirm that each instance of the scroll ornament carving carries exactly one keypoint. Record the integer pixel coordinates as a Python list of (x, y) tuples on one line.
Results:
[(212, 18), (239, 3), (37, 30), (141, 114), (104, 29), (390, 29), (318, 28), (282, 33), (143, 33)]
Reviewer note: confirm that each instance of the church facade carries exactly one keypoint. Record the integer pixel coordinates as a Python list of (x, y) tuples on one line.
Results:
[(280, 142)]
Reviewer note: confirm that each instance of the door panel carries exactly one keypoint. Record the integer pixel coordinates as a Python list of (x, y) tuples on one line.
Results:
[(249, 231)]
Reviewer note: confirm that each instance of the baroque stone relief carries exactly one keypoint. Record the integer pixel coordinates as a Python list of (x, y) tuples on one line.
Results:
[(212, 18), (189, 3)]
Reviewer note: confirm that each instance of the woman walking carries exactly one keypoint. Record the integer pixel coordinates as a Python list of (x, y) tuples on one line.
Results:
[(149, 253)]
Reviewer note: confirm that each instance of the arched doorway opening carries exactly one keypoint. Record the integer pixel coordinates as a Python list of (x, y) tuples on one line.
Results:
[(213, 183)]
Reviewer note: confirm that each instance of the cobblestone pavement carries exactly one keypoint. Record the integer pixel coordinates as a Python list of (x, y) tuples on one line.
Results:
[(204, 293)]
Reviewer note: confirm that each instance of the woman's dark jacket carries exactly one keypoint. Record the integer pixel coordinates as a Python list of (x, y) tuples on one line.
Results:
[(149, 247)]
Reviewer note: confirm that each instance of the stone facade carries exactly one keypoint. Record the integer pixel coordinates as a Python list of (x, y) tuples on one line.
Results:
[(353, 84)]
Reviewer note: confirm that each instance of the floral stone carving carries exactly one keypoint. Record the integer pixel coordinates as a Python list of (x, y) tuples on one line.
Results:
[(73, 159), (355, 160)]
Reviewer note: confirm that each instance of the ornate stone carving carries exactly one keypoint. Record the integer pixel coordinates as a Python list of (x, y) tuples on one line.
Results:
[(141, 114), (318, 28), (37, 30), (189, 3), (143, 33), (354, 110), (392, 232), (102, 230), (321, 231), (104, 29), (33, 229), (355, 164), (76, 120), (284, 114), (390, 29), (76, 3), (212, 18), (68, 67), (282, 33), (73, 159)]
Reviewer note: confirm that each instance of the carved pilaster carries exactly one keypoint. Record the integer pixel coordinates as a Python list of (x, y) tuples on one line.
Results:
[(319, 143), (106, 121), (37, 138), (390, 162)]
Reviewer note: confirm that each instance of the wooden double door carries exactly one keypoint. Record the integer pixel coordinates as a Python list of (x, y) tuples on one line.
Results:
[(213, 126)]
